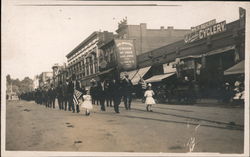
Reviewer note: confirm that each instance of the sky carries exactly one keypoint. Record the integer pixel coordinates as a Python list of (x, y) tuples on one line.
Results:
[(35, 37)]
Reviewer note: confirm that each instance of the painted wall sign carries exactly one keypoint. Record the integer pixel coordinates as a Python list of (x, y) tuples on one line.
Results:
[(205, 32), (126, 54)]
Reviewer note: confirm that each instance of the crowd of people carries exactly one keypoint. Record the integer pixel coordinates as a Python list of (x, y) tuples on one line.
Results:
[(104, 93), (110, 93)]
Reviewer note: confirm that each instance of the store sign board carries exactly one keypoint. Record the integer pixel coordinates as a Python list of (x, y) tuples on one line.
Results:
[(126, 54), (204, 25), (200, 32)]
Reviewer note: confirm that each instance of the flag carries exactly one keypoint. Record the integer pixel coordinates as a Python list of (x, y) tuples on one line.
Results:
[(76, 96)]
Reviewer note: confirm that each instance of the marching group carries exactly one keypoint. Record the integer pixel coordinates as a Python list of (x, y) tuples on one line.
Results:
[(73, 97)]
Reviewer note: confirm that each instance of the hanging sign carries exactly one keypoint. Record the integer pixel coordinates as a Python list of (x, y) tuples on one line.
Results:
[(126, 54)]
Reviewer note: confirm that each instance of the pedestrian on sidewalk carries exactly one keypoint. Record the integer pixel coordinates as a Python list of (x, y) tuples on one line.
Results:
[(149, 98), (87, 103)]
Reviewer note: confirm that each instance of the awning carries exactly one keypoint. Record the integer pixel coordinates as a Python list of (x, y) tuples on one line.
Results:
[(158, 78), (104, 72), (131, 74), (236, 69), (217, 51), (141, 72)]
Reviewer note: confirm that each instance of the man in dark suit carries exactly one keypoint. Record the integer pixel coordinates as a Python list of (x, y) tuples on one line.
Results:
[(73, 84), (60, 95), (127, 92), (115, 89), (65, 94), (52, 96), (102, 93)]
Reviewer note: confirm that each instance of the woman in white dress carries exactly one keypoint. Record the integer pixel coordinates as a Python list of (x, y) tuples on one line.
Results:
[(149, 93), (87, 103)]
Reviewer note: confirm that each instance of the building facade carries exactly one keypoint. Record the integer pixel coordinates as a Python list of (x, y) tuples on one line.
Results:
[(131, 41), (83, 61), (204, 59)]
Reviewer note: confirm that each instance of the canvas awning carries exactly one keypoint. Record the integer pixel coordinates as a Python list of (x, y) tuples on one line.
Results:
[(141, 72), (106, 71), (158, 78), (131, 74), (236, 69)]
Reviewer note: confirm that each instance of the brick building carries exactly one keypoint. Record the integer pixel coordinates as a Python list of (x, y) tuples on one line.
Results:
[(148, 39)]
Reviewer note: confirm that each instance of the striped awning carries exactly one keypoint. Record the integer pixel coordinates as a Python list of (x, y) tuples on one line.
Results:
[(141, 72)]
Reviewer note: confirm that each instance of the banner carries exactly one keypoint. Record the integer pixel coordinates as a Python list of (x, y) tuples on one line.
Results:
[(126, 54)]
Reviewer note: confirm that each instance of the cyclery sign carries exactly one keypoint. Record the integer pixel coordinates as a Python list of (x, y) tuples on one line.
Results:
[(201, 32), (126, 54)]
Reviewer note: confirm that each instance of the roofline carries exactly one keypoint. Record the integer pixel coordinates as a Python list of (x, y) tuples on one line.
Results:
[(82, 43), (105, 44)]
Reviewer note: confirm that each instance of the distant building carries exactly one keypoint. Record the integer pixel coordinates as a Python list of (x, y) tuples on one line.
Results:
[(148, 39), (45, 78), (60, 73), (36, 82)]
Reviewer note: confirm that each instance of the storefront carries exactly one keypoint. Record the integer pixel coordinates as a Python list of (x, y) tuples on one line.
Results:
[(202, 58)]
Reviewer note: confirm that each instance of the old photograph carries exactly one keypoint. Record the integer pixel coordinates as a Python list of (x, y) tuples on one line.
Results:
[(124, 78)]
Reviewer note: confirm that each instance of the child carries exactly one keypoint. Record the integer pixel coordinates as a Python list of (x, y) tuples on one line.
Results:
[(149, 98), (87, 103)]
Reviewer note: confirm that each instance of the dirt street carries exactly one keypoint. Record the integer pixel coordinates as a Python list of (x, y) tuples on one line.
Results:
[(169, 128)]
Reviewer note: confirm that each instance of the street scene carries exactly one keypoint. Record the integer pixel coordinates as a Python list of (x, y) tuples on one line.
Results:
[(125, 81)]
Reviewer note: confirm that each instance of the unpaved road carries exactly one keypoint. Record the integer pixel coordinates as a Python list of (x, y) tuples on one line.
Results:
[(32, 127)]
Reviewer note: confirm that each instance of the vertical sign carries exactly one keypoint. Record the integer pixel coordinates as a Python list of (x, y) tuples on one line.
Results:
[(126, 54)]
